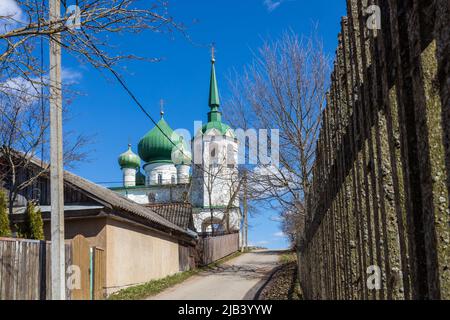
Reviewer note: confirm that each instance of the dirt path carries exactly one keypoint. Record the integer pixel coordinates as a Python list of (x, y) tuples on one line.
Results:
[(238, 279)]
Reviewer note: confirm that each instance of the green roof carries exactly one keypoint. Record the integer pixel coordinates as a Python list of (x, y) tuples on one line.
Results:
[(213, 87), (129, 159), (220, 126), (214, 116), (155, 146)]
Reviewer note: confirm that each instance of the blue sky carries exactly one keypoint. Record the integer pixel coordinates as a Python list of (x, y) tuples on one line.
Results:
[(182, 77)]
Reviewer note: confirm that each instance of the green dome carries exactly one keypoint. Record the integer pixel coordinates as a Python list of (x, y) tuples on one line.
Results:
[(155, 146), (129, 159), (140, 179), (181, 153)]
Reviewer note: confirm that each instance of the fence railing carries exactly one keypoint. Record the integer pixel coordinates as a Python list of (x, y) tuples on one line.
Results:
[(215, 248)]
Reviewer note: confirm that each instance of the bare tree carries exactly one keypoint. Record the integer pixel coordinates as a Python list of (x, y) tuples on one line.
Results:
[(24, 123), (87, 34), (222, 183), (284, 88)]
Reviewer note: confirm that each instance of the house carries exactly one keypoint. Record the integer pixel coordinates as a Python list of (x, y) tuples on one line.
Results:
[(140, 244)]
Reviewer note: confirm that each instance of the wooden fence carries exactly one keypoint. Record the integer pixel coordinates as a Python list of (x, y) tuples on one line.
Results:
[(214, 248), (25, 270)]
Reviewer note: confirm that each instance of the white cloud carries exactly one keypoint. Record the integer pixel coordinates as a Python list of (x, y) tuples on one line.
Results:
[(279, 235), (10, 12), (262, 243), (70, 76), (271, 5), (28, 90), (276, 219)]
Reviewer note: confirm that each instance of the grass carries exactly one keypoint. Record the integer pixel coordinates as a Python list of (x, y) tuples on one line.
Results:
[(288, 257), (156, 286)]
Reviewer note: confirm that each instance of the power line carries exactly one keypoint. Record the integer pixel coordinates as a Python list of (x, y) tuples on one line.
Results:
[(135, 99)]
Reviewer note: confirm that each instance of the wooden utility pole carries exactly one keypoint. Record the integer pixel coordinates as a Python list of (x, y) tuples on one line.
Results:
[(58, 269)]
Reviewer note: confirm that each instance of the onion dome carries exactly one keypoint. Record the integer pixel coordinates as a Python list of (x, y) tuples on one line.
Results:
[(181, 154), (140, 178), (129, 160), (155, 146)]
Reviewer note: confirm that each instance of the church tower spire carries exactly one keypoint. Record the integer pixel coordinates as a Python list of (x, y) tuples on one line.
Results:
[(214, 101)]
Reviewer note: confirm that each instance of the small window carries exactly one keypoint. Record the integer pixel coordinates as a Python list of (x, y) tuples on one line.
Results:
[(160, 180), (174, 180)]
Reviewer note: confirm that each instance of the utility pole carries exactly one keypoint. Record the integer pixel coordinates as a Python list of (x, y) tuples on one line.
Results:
[(245, 205), (58, 270)]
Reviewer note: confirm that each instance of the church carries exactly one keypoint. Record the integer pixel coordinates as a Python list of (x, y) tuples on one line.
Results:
[(202, 172)]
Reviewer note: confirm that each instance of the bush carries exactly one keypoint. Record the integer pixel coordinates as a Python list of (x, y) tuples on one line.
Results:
[(5, 229), (34, 226)]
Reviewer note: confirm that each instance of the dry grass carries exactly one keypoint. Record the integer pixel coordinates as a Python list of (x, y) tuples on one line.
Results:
[(283, 284)]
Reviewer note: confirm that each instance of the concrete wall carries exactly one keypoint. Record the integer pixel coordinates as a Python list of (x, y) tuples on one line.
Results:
[(135, 255), (380, 195)]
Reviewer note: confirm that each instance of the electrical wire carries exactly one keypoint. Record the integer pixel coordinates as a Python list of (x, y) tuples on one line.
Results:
[(135, 99)]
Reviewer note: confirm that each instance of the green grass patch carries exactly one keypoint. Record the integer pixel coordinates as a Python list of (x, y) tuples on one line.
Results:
[(288, 257), (157, 286)]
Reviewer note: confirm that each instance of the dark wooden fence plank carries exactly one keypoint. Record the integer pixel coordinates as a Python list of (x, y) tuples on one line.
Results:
[(216, 248), (25, 269)]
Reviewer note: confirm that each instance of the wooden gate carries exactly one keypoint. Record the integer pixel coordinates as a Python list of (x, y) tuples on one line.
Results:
[(99, 275), (91, 264), (81, 261)]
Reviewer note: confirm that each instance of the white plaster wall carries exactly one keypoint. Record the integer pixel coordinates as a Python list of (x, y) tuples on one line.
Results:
[(163, 194), (183, 173), (129, 177), (224, 179), (167, 170), (135, 255), (202, 215)]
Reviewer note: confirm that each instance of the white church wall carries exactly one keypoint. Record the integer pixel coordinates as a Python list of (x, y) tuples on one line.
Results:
[(156, 194), (160, 173), (219, 176), (129, 177), (203, 216)]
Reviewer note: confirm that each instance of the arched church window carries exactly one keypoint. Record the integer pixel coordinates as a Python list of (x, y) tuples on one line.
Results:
[(160, 179)]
